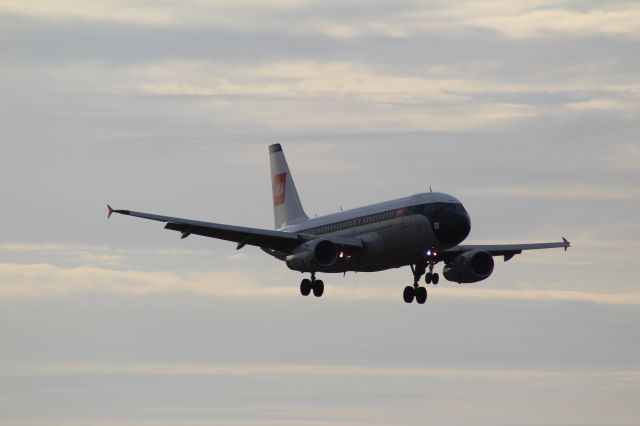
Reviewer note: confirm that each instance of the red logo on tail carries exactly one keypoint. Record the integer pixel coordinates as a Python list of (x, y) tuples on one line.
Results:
[(279, 184)]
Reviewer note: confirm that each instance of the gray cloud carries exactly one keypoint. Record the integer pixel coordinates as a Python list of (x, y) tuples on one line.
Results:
[(173, 352), (528, 111)]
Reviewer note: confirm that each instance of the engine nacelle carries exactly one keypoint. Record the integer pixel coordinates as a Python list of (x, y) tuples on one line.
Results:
[(312, 256), (470, 267)]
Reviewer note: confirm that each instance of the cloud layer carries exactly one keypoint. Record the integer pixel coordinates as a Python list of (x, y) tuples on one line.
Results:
[(29, 281), (517, 19), (527, 111)]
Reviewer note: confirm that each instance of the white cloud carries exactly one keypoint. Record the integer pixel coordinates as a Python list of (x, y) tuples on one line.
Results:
[(625, 106), (86, 254), (439, 98), (337, 94), (44, 280), (518, 19), (289, 96), (296, 79), (113, 10), (515, 19), (148, 12), (21, 281), (524, 21)]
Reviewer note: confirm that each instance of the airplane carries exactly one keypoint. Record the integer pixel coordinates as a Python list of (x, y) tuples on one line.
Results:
[(418, 231)]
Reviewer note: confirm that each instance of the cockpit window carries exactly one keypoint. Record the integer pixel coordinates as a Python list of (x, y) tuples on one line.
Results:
[(433, 208)]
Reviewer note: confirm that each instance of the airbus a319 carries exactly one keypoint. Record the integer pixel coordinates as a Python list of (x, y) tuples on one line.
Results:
[(418, 231)]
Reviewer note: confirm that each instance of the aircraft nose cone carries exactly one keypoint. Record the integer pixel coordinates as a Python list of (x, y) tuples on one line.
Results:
[(451, 228)]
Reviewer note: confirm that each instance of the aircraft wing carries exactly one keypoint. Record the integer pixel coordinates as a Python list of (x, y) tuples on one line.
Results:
[(265, 238), (506, 250)]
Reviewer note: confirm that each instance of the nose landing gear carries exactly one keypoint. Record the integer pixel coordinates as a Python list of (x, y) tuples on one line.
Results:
[(431, 277)]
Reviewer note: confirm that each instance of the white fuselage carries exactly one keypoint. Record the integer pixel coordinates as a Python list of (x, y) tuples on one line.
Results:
[(395, 233)]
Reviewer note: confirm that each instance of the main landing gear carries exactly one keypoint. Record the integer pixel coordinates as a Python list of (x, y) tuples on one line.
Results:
[(416, 291), (309, 285)]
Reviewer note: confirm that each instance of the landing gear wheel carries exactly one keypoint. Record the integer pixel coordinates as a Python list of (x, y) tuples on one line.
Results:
[(305, 287), (428, 277), (435, 278), (421, 295), (408, 294), (318, 288)]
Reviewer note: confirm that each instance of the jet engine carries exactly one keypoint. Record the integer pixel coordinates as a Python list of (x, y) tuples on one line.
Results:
[(469, 267), (312, 256)]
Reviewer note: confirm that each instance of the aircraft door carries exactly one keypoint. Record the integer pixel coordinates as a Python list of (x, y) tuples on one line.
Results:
[(406, 218)]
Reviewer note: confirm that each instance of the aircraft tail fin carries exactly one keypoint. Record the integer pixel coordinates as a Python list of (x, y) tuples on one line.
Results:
[(287, 208)]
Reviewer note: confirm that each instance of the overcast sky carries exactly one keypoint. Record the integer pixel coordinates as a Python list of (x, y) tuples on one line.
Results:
[(527, 111)]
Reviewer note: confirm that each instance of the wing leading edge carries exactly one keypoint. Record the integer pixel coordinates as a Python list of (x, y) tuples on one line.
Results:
[(506, 250), (265, 238)]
